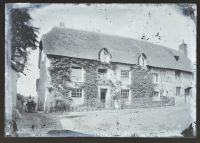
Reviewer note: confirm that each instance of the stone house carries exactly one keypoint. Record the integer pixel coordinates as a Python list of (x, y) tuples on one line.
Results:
[(111, 58)]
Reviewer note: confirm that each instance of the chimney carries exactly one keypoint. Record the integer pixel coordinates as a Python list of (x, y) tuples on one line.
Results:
[(62, 24), (183, 48)]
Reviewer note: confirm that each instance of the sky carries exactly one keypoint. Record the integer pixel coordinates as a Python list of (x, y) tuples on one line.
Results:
[(127, 20)]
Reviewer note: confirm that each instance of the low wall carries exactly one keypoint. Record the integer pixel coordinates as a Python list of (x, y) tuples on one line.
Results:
[(140, 102), (147, 102)]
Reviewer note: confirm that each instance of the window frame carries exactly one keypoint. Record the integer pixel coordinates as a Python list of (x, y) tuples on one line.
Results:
[(103, 75), (76, 78), (126, 97), (155, 77), (156, 94), (123, 78), (142, 60), (78, 93), (104, 56)]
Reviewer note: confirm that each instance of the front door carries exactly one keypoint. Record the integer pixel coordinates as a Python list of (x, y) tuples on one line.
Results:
[(103, 95), (178, 91), (187, 94)]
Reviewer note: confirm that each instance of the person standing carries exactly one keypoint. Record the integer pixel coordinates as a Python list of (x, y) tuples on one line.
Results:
[(14, 128)]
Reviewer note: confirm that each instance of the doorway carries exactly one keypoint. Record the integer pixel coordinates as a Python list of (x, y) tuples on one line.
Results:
[(187, 94), (178, 91), (103, 93)]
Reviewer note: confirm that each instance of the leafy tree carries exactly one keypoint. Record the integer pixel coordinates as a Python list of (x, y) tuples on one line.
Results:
[(24, 37)]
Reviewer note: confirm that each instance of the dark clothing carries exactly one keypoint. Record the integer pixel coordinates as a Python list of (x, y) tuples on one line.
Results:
[(15, 126), (31, 106)]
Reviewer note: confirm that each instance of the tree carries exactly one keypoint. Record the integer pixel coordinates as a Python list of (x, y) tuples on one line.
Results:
[(24, 37)]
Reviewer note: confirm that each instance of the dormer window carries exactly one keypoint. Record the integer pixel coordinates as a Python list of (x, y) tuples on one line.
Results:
[(104, 55), (176, 58), (142, 60)]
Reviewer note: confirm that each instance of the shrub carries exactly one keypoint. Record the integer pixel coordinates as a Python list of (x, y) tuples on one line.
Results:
[(169, 101), (60, 106)]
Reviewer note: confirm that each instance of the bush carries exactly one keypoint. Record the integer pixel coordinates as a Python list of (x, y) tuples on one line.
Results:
[(169, 101), (60, 106), (21, 98)]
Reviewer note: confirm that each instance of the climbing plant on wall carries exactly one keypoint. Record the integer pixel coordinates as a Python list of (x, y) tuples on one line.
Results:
[(60, 74), (60, 77), (141, 79), (90, 85)]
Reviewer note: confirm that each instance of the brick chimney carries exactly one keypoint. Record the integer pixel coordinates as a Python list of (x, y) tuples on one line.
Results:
[(183, 48), (62, 24)]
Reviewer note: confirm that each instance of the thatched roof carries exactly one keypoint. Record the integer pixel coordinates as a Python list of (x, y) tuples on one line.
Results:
[(86, 45)]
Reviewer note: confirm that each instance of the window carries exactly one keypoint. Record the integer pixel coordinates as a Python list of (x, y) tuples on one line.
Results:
[(125, 93), (155, 93), (76, 93), (102, 73), (155, 77), (125, 75), (176, 58), (156, 96), (177, 74), (142, 60), (187, 91), (104, 55), (76, 73)]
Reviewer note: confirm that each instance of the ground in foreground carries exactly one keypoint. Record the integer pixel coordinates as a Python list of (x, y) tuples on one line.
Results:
[(144, 122)]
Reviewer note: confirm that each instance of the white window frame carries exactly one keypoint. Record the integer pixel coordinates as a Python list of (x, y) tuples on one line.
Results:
[(106, 74), (127, 96), (142, 61), (156, 97), (125, 79), (156, 94), (78, 93), (155, 77), (81, 79)]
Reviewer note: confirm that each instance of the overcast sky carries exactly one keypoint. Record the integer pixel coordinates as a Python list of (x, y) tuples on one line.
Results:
[(130, 20)]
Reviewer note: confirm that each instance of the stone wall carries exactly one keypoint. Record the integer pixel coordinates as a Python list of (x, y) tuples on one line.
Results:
[(167, 82), (147, 102), (140, 85)]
